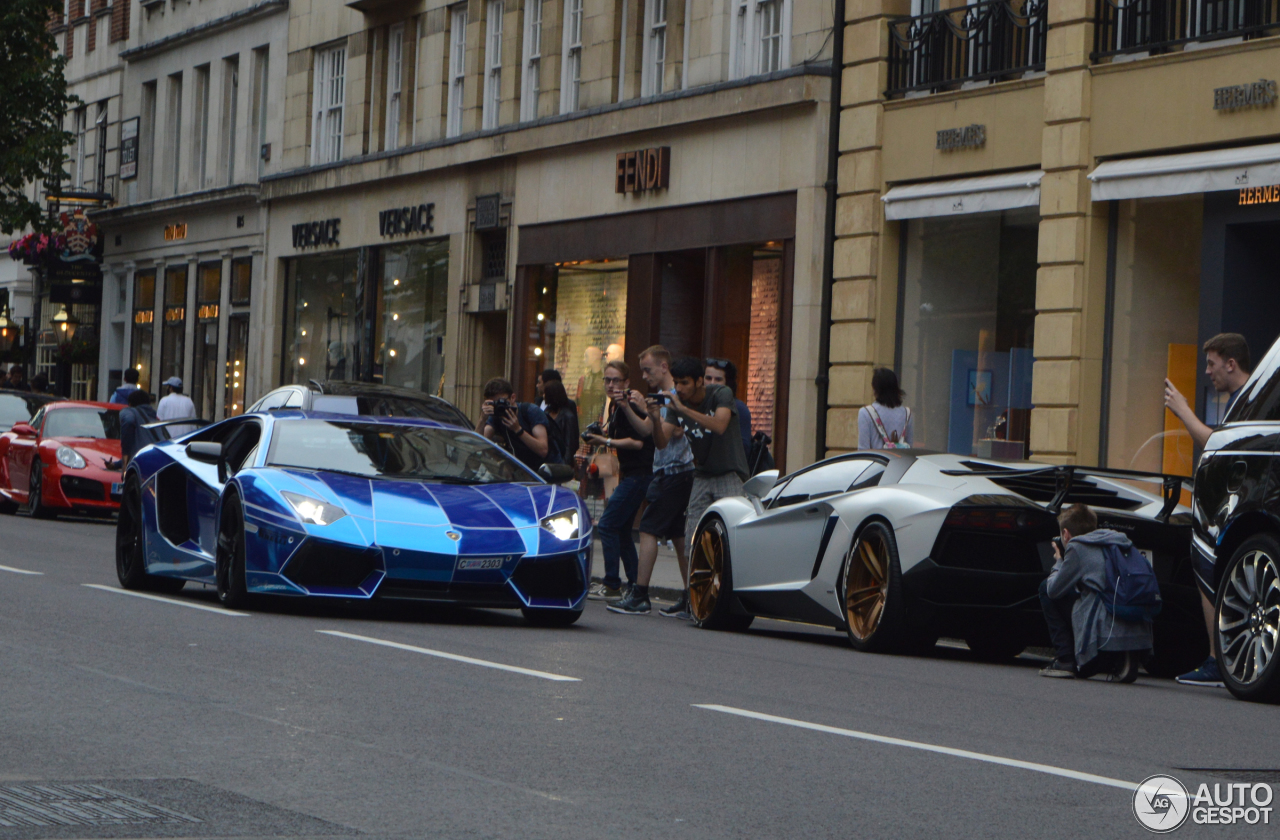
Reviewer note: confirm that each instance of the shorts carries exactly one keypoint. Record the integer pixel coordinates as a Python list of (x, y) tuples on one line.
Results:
[(707, 490), (668, 496)]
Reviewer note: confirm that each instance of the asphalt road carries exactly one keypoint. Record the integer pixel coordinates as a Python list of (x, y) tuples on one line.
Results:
[(174, 721)]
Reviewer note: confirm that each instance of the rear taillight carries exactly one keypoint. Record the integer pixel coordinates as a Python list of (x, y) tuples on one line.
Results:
[(999, 519)]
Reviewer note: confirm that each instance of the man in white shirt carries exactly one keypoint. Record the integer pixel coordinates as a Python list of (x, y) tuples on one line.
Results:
[(176, 406)]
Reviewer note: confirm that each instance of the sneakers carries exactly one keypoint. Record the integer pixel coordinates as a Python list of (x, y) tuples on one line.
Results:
[(1060, 668), (1206, 675), (680, 609), (600, 592), (635, 602), (1125, 668)]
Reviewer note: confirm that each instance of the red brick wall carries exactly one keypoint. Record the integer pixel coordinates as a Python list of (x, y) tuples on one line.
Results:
[(119, 20), (762, 361)]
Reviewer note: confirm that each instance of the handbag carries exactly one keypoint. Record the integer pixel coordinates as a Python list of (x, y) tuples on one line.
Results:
[(890, 441)]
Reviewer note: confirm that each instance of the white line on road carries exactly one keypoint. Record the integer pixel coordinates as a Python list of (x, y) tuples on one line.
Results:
[(455, 657), (174, 601), (917, 745), (18, 571)]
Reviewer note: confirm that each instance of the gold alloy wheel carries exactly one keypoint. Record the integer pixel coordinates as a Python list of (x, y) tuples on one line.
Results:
[(866, 583), (706, 566)]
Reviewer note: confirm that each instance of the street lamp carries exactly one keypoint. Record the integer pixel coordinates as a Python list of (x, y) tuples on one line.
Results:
[(8, 331), (64, 324)]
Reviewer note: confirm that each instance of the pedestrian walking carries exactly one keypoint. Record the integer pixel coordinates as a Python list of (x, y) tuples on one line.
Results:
[(886, 423), (1089, 638), (121, 395), (563, 415), (629, 433), (176, 405), (1227, 364), (724, 372), (132, 420), (520, 428)]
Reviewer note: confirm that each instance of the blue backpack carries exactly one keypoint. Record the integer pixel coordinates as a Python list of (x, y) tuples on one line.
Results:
[(1132, 593)]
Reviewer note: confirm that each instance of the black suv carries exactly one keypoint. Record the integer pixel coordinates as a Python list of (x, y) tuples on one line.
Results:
[(367, 398), (1236, 535)]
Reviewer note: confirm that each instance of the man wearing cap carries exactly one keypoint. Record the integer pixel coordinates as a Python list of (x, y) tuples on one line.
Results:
[(176, 406)]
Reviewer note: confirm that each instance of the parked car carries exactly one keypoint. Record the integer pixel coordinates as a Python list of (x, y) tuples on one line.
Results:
[(65, 458), (364, 398), (300, 504), (1237, 535), (900, 547)]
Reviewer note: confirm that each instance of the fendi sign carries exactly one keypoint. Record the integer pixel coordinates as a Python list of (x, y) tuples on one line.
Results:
[(969, 137), (643, 170), (1254, 94), (315, 234), (399, 220)]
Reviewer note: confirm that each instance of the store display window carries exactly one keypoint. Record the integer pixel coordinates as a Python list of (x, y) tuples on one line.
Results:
[(322, 312), (144, 313), (173, 336), (411, 316)]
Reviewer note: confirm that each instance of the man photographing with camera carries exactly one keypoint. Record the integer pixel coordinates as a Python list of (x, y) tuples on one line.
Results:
[(520, 428)]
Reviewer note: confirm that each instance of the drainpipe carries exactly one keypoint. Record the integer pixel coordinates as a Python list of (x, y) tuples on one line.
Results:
[(823, 381)]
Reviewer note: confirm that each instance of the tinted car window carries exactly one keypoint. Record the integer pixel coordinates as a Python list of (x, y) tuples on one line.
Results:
[(820, 482), (426, 408), (1260, 399), (101, 423), (294, 400), (273, 400)]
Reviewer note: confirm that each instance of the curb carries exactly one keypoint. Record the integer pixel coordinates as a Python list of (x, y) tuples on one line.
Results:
[(666, 593)]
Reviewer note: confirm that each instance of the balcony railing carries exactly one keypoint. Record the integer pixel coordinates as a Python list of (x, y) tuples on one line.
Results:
[(1155, 26), (980, 42)]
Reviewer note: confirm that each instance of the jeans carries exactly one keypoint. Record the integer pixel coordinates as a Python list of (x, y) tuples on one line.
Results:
[(1057, 614), (614, 528)]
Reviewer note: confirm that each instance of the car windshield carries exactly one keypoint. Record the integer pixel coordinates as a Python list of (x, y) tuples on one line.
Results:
[(392, 451), (83, 423)]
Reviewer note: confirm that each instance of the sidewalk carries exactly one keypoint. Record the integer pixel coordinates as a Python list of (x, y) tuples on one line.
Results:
[(666, 583)]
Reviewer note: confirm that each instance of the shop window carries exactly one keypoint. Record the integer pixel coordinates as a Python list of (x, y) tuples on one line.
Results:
[(237, 364), (532, 81), (1154, 330), (329, 98), (173, 335), (204, 361), (968, 304), (241, 280), (571, 76), (144, 311), (411, 317), (395, 72), (322, 319), (457, 69), (492, 64)]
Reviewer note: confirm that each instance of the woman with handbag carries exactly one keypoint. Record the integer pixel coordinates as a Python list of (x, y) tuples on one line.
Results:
[(886, 423)]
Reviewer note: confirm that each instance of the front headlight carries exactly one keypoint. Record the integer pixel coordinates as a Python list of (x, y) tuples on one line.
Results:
[(313, 510), (563, 525), (68, 457)]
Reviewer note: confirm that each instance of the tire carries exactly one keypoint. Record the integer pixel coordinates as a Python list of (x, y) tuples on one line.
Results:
[(994, 646), (233, 593), (35, 501), (131, 567), (871, 591), (711, 601), (1247, 621), (550, 618)]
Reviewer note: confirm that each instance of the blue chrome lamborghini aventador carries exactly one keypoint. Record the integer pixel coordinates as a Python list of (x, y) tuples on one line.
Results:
[(304, 504)]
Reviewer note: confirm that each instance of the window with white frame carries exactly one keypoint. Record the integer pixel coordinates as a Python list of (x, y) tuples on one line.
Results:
[(655, 46), (395, 68), (329, 97), (80, 128), (457, 70), (769, 16), (571, 72), (739, 43), (492, 64), (532, 81)]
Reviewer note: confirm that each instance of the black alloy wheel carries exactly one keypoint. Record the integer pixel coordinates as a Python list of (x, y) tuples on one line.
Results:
[(131, 567), (1247, 621), (233, 592), (711, 601), (35, 501), (550, 618)]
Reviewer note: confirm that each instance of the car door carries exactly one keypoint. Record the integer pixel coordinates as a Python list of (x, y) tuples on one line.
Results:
[(780, 548), (22, 451)]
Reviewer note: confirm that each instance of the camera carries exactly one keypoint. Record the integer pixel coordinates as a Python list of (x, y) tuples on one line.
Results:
[(592, 429), (502, 406), (1062, 549), (658, 396)]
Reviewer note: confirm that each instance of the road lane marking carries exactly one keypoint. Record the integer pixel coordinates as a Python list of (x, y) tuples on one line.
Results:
[(174, 601), (917, 745), (19, 571), (484, 663)]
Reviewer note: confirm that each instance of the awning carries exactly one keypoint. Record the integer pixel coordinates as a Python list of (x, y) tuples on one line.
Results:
[(1195, 172), (964, 195)]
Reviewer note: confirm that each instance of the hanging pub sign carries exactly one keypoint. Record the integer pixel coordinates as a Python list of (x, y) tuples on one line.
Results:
[(129, 149), (77, 250), (70, 293), (643, 170)]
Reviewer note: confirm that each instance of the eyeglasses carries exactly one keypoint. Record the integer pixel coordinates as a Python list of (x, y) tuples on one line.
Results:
[(723, 364), (611, 380)]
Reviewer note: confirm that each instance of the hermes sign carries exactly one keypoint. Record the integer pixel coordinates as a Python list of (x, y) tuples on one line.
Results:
[(643, 170)]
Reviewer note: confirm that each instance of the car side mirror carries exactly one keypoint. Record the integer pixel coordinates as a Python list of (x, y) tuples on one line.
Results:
[(761, 483), (23, 429), (556, 473), (205, 452)]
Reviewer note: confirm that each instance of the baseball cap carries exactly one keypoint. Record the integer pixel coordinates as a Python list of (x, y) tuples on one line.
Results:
[(174, 381)]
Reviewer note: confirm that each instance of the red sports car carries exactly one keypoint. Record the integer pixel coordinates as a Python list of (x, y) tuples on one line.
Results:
[(66, 458)]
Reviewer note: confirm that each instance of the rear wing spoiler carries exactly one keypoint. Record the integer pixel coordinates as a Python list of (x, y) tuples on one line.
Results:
[(1065, 476), (189, 421)]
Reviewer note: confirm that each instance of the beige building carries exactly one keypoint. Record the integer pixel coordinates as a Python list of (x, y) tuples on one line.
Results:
[(1045, 208), (495, 187)]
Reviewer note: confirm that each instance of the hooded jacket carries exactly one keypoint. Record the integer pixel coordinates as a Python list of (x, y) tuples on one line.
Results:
[(1082, 574)]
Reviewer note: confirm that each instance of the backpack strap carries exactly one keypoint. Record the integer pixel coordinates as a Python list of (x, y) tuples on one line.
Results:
[(879, 424)]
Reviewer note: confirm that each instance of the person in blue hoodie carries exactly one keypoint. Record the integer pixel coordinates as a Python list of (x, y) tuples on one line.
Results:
[(121, 395), (1087, 638)]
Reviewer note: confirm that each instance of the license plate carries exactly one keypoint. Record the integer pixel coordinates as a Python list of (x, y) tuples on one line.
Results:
[(117, 488), (479, 563)]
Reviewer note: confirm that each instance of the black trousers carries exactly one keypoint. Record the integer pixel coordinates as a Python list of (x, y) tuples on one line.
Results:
[(1057, 614)]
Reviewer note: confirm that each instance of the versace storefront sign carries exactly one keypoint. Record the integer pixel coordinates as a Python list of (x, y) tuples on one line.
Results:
[(315, 234), (1251, 95), (968, 137), (401, 220)]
